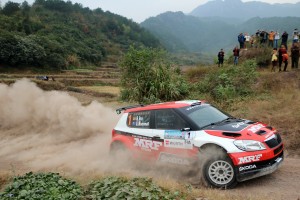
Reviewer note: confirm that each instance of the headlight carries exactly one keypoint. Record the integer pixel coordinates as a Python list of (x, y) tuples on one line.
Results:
[(249, 145)]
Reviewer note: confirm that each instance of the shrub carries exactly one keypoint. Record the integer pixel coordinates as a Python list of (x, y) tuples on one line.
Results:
[(229, 82), (42, 186), (148, 77), (121, 188)]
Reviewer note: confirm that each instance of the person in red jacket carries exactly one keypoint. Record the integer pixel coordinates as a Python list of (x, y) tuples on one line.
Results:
[(281, 51), (236, 54), (285, 60)]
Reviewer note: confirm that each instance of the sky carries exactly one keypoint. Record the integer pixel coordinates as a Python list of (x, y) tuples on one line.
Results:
[(139, 10)]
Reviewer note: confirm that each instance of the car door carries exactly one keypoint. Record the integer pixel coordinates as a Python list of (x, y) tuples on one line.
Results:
[(143, 141), (177, 143)]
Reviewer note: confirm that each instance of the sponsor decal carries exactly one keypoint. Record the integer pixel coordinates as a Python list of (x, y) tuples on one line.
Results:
[(238, 125), (248, 159), (177, 143), (147, 145), (174, 134), (255, 128), (174, 159), (247, 167)]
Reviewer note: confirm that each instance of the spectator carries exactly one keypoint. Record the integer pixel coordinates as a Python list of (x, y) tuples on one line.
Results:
[(252, 40), (276, 38), (247, 40), (265, 37), (236, 54), (274, 60), (284, 39), (221, 57), (295, 36), (281, 51), (262, 33), (241, 39), (271, 38), (285, 60), (295, 55)]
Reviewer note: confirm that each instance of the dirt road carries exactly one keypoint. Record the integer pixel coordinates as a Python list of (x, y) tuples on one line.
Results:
[(284, 184), (53, 131)]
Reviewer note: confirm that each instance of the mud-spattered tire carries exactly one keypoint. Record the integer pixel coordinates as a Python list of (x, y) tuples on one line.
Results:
[(216, 167)]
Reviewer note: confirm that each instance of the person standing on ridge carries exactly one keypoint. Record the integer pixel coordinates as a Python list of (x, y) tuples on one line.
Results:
[(284, 39), (281, 51), (271, 38), (241, 40), (221, 58), (295, 35), (295, 55), (276, 38), (285, 60), (274, 60), (236, 54), (247, 41)]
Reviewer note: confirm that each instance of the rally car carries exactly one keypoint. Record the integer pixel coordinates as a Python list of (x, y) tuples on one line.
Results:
[(227, 150)]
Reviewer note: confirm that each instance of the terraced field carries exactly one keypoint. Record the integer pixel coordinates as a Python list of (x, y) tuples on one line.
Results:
[(101, 82)]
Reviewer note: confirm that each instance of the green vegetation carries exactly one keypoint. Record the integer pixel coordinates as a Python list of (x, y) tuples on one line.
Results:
[(52, 186), (229, 83), (148, 77), (60, 35), (42, 186), (122, 188)]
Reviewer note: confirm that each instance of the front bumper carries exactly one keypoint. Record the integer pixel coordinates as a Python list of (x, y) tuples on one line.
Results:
[(257, 169)]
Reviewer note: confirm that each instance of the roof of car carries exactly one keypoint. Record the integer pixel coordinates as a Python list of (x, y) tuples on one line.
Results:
[(173, 104)]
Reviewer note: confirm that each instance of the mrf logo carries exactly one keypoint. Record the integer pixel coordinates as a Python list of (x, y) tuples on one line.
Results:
[(248, 159), (147, 144)]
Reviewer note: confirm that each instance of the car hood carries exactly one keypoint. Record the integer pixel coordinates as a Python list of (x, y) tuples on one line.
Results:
[(241, 129)]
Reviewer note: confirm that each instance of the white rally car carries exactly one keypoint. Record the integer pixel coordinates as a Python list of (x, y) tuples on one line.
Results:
[(231, 150)]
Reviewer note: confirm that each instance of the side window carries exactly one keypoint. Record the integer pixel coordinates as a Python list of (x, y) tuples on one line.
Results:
[(139, 119), (168, 119)]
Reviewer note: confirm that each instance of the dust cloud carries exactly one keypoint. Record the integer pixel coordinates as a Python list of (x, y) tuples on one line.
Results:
[(52, 131), (42, 130)]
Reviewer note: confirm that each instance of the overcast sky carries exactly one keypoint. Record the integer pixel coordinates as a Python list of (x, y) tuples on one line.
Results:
[(139, 10)]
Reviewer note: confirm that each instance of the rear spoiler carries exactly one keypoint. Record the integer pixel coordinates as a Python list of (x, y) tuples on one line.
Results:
[(119, 110)]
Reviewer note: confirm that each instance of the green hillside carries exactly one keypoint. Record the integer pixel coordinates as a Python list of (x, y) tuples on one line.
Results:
[(60, 35), (185, 33)]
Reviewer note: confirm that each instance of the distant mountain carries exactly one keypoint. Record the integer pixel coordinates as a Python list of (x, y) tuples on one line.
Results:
[(180, 32), (243, 11), (185, 33)]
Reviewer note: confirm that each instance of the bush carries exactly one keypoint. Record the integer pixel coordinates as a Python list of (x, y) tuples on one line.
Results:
[(148, 77), (42, 186), (121, 188), (229, 82)]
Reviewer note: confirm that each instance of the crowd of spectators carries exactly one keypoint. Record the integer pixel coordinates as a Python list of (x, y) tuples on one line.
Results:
[(272, 39)]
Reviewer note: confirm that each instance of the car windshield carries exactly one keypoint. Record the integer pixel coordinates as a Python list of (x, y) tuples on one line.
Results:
[(204, 115)]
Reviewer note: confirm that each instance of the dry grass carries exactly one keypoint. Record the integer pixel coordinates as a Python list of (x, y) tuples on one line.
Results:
[(102, 89), (196, 73), (277, 104)]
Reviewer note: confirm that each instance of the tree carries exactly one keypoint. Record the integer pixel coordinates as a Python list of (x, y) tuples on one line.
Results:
[(148, 77), (11, 8)]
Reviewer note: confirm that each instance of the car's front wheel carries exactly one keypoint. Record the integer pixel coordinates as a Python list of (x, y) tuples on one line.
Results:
[(219, 172)]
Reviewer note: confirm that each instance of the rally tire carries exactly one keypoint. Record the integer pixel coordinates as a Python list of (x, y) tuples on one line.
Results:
[(219, 172)]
